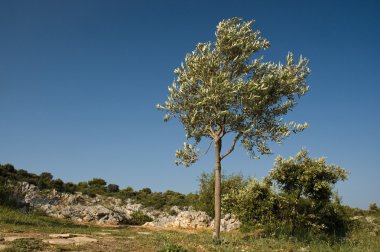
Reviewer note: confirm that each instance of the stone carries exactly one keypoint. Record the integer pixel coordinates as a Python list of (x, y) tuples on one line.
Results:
[(58, 241), (83, 239), (13, 238), (184, 219), (61, 235), (228, 223), (370, 219), (145, 233), (3, 247), (358, 217), (78, 240)]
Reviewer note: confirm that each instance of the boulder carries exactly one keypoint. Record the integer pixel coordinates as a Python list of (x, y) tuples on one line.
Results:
[(228, 223)]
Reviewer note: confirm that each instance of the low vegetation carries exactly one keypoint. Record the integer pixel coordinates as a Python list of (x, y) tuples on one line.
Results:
[(37, 228), (294, 208)]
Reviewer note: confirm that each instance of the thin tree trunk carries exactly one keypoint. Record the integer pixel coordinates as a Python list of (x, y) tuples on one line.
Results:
[(217, 206)]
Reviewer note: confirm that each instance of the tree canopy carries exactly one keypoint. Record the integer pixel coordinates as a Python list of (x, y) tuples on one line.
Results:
[(222, 88)]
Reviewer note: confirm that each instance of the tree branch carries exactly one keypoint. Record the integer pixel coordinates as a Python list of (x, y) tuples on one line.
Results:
[(212, 132), (232, 147), (204, 153)]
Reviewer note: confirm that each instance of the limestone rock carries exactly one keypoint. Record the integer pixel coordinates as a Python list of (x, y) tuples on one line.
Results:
[(228, 223), (112, 211), (184, 219), (61, 235)]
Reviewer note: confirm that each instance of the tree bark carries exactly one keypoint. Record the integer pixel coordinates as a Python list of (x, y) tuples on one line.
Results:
[(217, 205)]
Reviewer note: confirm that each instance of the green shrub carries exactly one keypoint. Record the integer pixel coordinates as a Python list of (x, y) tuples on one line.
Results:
[(306, 201), (112, 188), (138, 218), (6, 194), (70, 187), (296, 199), (206, 197), (252, 203)]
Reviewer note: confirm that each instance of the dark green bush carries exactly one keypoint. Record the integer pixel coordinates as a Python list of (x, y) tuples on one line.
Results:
[(206, 197), (252, 203), (112, 188), (307, 200), (138, 218)]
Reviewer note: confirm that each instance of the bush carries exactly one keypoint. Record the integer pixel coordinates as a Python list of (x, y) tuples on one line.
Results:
[(6, 194), (138, 218), (252, 203), (70, 187), (296, 199), (206, 196), (112, 188), (306, 194)]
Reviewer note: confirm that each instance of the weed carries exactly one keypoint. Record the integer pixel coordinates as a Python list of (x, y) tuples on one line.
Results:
[(170, 247), (25, 245)]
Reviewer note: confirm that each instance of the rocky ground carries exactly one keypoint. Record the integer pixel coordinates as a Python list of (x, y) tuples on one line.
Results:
[(113, 211)]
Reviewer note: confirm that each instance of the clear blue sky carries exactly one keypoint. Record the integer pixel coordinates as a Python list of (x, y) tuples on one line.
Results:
[(79, 81)]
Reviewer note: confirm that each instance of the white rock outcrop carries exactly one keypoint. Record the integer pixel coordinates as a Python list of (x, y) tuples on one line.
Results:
[(113, 211)]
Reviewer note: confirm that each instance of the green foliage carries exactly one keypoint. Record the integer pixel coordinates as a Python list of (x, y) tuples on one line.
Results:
[(127, 193), (58, 185), (70, 187), (252, 203), (25, 245), (302, 202), (113, 188), (303, 176), (170, 247), (6, 194), (138, 218), (223, 88), (306, 199), (161, 200), (206, 195), (97, 182)]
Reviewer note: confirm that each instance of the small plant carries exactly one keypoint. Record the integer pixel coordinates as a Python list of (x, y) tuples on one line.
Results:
[(25, 245), (172, 248)]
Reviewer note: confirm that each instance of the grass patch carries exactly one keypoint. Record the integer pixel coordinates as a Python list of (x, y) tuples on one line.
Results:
[(172, 248), (25, 245), (16, 221)]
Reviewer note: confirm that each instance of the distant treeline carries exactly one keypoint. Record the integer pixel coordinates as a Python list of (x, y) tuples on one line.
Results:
[(45, 181)]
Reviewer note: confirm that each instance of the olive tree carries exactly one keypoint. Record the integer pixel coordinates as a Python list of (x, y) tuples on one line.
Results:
[(222, 89)]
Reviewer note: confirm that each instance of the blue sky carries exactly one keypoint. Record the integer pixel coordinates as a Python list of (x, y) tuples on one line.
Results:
[(79, 81)]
